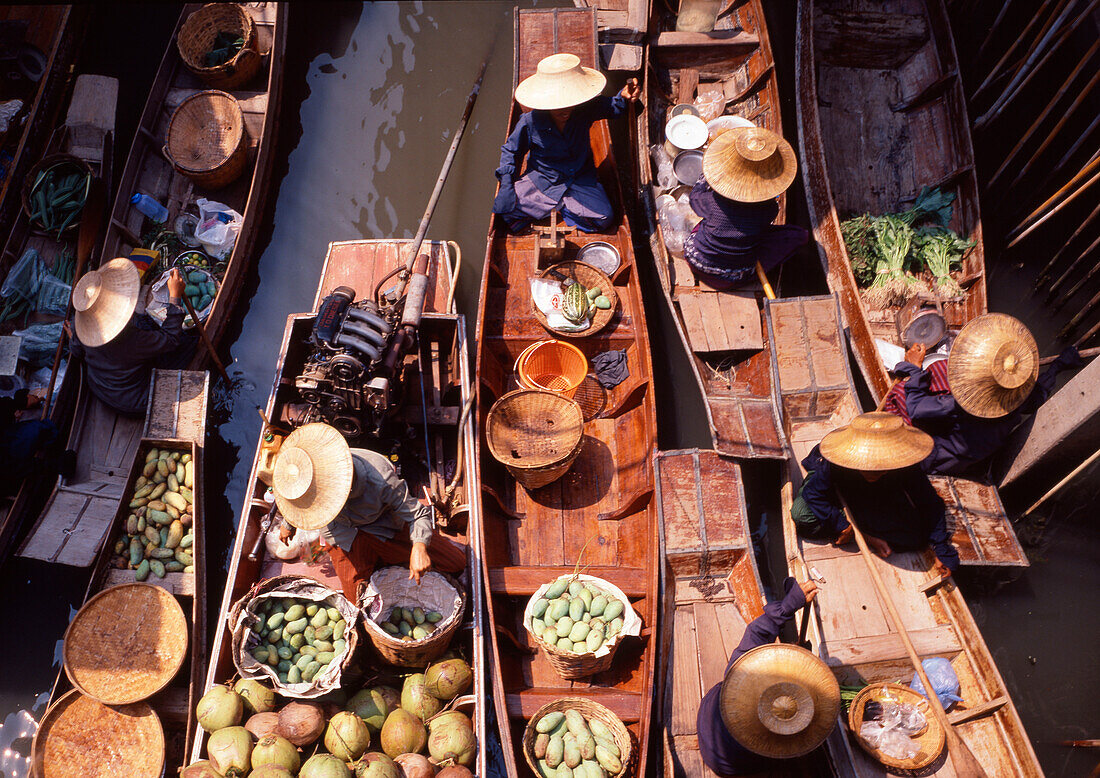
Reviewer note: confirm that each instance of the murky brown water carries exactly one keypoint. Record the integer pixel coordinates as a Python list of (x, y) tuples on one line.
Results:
[(372, 95)]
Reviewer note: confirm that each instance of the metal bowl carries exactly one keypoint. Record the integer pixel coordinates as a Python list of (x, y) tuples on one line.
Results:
[(680, 108), (688, 167), (600, 255)]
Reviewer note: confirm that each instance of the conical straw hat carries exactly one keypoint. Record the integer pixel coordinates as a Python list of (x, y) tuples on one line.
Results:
[(749, 164), (560, 81), (992, 366), (104, 301), (779, 701), (876, 441), (312, 476)]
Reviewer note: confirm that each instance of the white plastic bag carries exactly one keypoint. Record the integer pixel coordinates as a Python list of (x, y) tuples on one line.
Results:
[(218, 227)]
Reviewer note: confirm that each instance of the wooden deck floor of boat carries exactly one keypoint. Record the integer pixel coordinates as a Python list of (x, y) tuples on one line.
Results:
[(361, 264)]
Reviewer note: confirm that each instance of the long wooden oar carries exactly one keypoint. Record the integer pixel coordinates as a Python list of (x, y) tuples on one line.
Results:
[(90, 222), (206, 340), (763, 277), (963, 759)]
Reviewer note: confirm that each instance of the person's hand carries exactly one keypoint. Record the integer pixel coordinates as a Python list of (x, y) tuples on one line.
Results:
[(880, 547), (915, 354), (631, 90), (844, 537), (419, 562), (176, 284), (941, 570), (809, 589), (286, 532)]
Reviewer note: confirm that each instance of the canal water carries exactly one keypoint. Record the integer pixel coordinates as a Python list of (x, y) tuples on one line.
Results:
[(372, 95)]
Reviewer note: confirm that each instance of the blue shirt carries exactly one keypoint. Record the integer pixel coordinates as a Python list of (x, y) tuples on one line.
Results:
[(901, 507), (719, 750), (729, 228), (556, 158)]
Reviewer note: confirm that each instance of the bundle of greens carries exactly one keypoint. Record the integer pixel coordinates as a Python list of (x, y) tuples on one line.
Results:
[(859, 237), (892, 284), (931, 205), (942, 251)]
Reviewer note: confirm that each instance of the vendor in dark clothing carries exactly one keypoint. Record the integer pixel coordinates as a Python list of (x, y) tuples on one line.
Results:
[(565, 102), (744, 170), (963, 439), (873, 463), (739, 719), (28, 446), (364, 511), (120, 348)]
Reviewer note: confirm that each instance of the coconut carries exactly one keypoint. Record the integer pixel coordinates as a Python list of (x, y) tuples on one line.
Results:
[(200, 769), (448, 679), (375, 765), (415, 766), (390, 695), (452, 739), (455, 771), (324, 766), (270, 771), (229, 750), (371, 707), (347, 736), (219, 708), (417, 700), (262, 724), (403, 733), (301, 723), (257, 697), (276, 750)]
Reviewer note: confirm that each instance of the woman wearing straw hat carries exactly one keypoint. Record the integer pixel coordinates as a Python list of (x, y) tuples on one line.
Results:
[(565, 101), (971, 402), (873, 463), (744, 170), (364, 511), (776, 701), (121, 347)]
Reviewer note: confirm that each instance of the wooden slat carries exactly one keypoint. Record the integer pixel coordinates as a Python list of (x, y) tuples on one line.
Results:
[(685, 674), (626, 705), (179, 584), (676, 38), (712, 653), (520, 581), (939, 640)]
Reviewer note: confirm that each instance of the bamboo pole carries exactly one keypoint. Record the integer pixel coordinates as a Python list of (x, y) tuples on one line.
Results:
[(1092, 271), (993, 28), (1061, 484), (1043, 117), (1078, 318), (993, 71), (1023, 229), (1088, 335), (1057, 167), (1045, 273)]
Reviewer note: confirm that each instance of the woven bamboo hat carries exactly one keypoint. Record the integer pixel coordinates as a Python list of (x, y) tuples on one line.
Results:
[(993, 366), (876, 441), (105, 300), (312, 476), (779, 701), (560, 81), (749, 164)]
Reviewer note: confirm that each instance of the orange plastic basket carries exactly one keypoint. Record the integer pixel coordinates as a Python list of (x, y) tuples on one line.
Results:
[(553, 365)]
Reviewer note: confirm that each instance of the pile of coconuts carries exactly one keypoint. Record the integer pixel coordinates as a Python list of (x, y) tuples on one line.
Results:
[(380, 733)]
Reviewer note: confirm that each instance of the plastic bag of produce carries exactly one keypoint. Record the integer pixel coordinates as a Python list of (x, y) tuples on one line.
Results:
[(219, 226), (24, 278), (157, 305), (53, 296), (285, 641), (39, 343), (943, 679)]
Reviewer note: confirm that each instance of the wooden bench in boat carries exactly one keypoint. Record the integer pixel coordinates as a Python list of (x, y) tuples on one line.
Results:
[(73, 524)]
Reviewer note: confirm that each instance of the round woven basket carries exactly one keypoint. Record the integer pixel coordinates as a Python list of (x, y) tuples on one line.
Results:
[(571, 666), (125, 644), (535, 434), (590, 710), (196, 38), (931, 739), (82, 738), (206, 139), (76, 163), (553, 365), (396, 590), (590, 277)]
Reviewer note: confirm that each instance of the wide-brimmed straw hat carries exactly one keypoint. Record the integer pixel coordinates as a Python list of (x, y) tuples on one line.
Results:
[(104, 301), (876, 441), (993, 365), (312, 476), (779, 701), (749, 164), (560, 81)]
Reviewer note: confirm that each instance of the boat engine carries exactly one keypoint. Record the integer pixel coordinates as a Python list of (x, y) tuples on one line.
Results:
[(358, 348)]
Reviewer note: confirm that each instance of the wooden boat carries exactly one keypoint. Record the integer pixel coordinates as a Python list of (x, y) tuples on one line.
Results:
[(102, 438), (177, 420), (722, 332), (601, 514), (850, 628), (362, 265), (881, 113)]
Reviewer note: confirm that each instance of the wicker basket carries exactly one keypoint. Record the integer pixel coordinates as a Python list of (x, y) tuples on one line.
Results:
[(553, 365), (931, 739), (82, 738), (590, 277), (535, 434), (206, 139), (390, 587), (590, 710), (45, 164), (196, 37), (126, 643)]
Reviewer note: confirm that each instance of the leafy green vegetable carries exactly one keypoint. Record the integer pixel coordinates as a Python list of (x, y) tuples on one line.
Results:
[(224, 48), (942, 250), (859, 238), (892, 285), (932, 204)]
